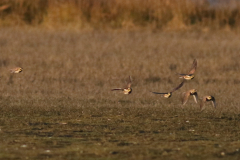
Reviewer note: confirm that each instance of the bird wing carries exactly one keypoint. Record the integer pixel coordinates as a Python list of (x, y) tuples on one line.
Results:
[(115, 89), (195, 96), (180, 74), (202, 103), (129, 82), (185, 96), (179, 86), (12, 70), (214, 103), (194, 67), (159, 93)]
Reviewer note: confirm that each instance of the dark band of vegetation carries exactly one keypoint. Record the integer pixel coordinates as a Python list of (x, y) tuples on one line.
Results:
[(117, 14)]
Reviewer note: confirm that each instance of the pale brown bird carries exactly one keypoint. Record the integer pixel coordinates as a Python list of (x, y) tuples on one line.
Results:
[(127, 89), (191, 92), (190, 75), (205, 99), (16, 70), (169, 94)]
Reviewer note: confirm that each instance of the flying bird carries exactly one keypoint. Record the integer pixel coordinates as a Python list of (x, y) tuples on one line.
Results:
[(190, 75), (169, 94), (205, 99), (191, 92), (16, 70), (127, 89)]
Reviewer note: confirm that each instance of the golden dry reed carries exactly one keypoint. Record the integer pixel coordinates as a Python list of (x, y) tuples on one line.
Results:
[(118, 14)]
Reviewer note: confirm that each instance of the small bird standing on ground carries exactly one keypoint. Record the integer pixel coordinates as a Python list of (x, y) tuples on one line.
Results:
[(16, 70), (191, 92), (205, 99), (169, 94), (190, 75), (126, 90)]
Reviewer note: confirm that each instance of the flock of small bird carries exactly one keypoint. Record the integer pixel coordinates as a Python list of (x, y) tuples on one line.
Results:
[(185, 95)]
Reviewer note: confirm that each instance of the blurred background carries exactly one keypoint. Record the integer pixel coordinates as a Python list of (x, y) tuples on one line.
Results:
[(122, 14)]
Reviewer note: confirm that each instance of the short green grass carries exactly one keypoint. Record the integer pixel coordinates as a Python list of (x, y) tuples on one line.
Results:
[(117, 131), (61, 106)]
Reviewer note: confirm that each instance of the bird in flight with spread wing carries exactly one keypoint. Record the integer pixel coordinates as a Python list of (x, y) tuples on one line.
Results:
[(206, 99), (127, 89), (169, 94), (190, 74), (16, 70), (191, 92)]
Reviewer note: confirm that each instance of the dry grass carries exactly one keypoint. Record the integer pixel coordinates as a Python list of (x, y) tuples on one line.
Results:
[(121, 14), (61, 106)]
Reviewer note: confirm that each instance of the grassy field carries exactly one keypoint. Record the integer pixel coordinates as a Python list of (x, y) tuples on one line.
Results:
[(61, 106)]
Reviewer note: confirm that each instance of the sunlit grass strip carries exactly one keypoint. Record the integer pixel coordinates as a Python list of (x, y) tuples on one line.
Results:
[(156, 14)]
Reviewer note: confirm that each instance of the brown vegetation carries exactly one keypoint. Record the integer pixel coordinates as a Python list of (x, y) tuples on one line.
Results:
[(61, 107), (115, 14)]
